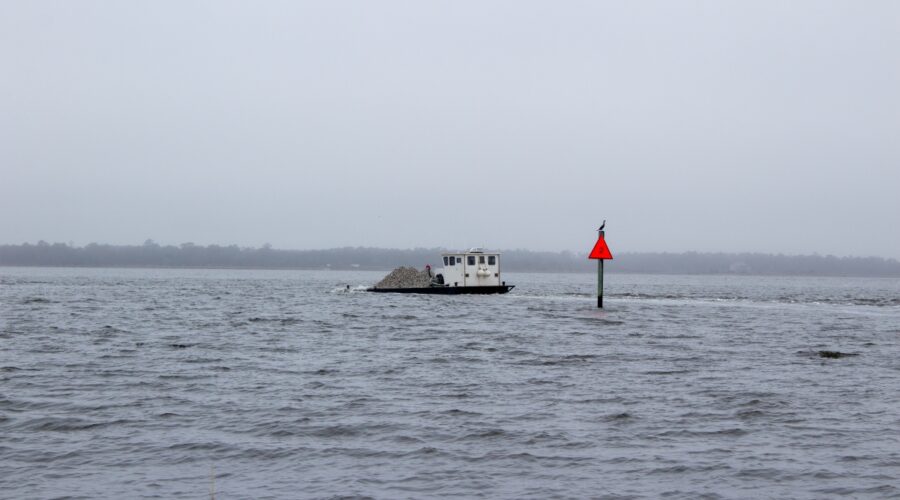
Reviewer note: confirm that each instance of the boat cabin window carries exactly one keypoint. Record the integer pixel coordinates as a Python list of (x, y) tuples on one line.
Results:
[(481, 259), (446, 260), (452, 260), (492, 260), (471, 260)]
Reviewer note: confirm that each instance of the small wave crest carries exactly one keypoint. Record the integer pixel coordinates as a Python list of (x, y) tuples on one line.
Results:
[(349, 289)]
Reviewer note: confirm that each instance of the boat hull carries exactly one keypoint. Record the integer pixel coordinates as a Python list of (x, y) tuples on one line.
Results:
[(448, 290)]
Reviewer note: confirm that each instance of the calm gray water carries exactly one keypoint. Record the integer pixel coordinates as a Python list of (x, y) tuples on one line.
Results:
[(127, 383)]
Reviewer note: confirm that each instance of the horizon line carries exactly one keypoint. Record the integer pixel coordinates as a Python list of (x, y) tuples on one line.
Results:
[(267, 246)]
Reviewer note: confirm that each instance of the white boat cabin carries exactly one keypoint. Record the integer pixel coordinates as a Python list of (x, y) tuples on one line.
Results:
[(472, 268)]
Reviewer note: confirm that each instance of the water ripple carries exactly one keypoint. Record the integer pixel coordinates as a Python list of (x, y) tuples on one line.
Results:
[(281, 384)]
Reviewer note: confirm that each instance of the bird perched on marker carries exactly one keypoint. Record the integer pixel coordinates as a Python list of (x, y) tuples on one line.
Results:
[(602, 225)]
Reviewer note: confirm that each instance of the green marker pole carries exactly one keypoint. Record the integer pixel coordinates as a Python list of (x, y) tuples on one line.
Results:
[(600, 279)]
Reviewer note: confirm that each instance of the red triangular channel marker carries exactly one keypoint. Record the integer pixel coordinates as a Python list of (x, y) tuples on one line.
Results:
[(600, 251)]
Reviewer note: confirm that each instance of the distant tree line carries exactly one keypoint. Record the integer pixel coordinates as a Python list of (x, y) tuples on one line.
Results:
[(151, 254)]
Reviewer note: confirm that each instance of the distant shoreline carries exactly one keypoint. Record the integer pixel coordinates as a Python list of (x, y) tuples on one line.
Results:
[(188, 256), (385, 270)]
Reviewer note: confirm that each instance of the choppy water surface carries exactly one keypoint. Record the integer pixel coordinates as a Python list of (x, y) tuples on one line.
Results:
[(281, 384)]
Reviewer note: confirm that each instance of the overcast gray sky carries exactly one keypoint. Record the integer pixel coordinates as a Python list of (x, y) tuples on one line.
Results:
[(710, 126)]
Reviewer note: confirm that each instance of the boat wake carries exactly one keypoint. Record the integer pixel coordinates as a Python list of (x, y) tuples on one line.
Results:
[(349, 289)]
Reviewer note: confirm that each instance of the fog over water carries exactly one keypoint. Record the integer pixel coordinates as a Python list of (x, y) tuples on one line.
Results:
[(708, 126)]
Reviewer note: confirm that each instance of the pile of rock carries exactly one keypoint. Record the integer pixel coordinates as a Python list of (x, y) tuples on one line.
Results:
[(405, 277)]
